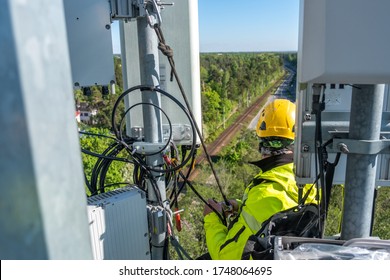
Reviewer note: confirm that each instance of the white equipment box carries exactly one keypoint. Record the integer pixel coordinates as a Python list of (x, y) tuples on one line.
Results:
[(344, 42), (118, 225)]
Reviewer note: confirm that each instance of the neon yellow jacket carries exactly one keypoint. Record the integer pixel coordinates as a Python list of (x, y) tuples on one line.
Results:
[(272, 190)]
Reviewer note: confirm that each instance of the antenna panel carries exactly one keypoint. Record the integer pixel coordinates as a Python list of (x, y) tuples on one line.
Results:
[(90, 43), (180, 28)]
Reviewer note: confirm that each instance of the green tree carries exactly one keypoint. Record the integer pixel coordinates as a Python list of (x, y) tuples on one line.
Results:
[(105, 111), (381, 226), (231, 76), (211, 103), (118, 72)]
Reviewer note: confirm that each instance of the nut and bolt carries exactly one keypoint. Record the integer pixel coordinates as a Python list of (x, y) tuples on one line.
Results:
[(343, 148), (305, 148)]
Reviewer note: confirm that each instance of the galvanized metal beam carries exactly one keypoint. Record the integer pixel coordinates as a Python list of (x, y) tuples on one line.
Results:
[(43, 211)]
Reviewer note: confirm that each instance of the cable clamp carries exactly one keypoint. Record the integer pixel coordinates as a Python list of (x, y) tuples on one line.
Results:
[(144, 148)]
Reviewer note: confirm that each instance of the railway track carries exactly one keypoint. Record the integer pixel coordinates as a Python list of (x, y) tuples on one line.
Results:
[(226, 136)]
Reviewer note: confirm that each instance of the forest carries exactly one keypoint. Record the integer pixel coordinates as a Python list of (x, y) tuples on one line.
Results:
[(232, 81), (229, 83)]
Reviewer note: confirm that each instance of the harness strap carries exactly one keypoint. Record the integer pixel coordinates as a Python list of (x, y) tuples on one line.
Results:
[(299, 221)]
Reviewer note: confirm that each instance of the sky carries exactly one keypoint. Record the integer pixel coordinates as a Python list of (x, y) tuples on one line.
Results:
[(243, 25), (250, 25)]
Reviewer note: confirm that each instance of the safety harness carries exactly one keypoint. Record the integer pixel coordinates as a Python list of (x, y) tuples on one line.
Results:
[(299, 221)]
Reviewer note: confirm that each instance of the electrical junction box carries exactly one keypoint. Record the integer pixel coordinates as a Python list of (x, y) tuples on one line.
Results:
[(344, 42), (90, 44), (181, 32), (335, 123), (118, 225)]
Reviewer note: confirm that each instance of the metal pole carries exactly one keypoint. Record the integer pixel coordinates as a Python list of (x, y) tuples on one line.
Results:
[(365, 124), (149, 71)]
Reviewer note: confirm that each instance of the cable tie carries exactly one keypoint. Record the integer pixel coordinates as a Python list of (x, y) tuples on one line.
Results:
[(178, 211)]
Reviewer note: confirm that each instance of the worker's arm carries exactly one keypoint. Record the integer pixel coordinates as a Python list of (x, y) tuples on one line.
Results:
[(221, 242), (224, 244), (262, 201)]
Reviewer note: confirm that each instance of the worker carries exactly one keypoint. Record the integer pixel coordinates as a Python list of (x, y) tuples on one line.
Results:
[(272, 190)]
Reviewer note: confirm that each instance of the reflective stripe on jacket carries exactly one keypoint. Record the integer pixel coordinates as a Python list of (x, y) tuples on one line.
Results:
[(272, 190)]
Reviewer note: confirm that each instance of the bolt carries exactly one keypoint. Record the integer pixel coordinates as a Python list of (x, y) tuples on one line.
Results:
[(307, 117), (343, 148), (305, 148)]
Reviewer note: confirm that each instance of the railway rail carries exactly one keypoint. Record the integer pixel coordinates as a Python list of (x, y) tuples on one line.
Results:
[(228, 134)]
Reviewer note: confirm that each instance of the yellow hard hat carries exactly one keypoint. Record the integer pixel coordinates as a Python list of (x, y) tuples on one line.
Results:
[(277, 119)]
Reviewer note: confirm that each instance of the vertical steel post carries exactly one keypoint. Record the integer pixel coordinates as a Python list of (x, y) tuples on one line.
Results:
[(149, 72), (43, 213), (365, 124)]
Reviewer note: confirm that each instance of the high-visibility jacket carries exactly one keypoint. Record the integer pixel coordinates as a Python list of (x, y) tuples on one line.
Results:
[(272, 190)]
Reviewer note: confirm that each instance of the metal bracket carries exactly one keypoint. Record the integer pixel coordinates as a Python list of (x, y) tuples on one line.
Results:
[(131, 9), (364, 147), (137, 132), (157, 219), (123, 9), (181, 133), (144, 148)]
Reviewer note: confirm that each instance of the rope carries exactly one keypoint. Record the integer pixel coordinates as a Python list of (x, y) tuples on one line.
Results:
[(167, 49), (168, 52)]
